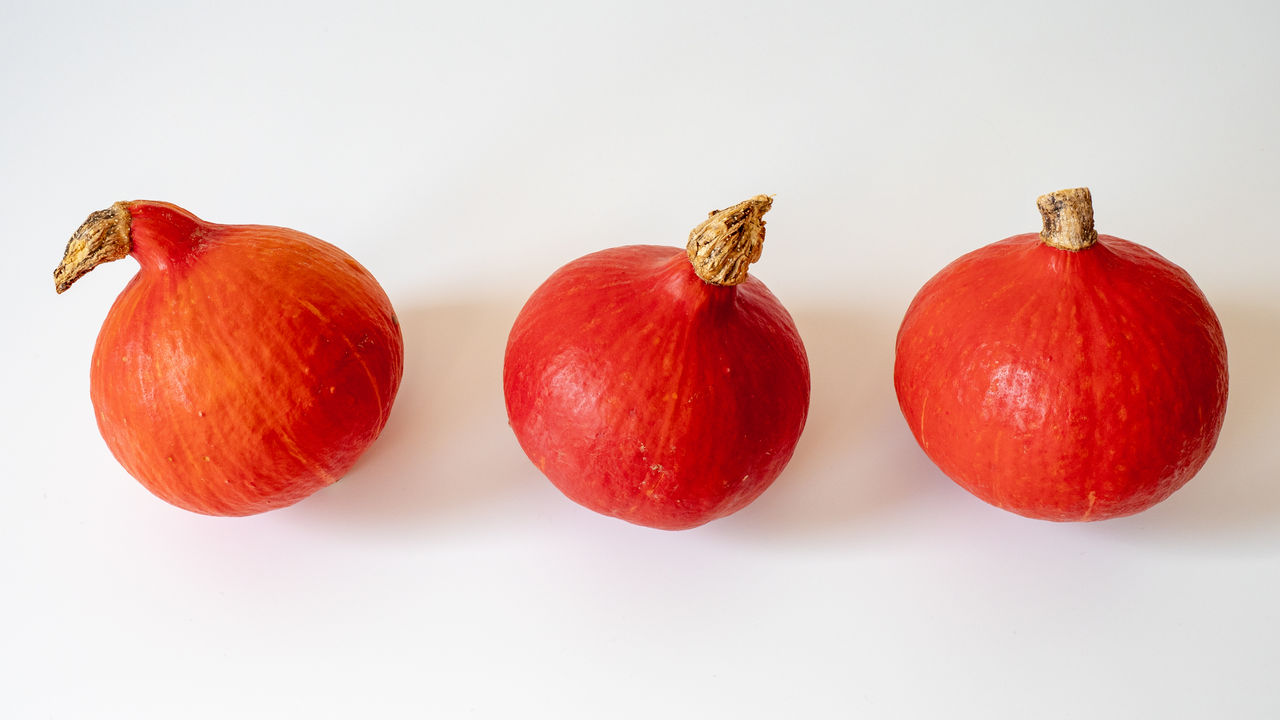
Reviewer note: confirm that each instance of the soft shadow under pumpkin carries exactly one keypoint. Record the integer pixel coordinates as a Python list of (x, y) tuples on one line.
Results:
[(856, 462), (1237, 494), (447, 450)]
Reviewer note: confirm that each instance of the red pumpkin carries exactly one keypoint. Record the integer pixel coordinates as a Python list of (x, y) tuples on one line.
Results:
[(658, 385), (1066, 375), (244, 367)]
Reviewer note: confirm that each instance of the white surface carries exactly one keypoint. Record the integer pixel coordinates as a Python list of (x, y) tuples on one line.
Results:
[(463, 151)]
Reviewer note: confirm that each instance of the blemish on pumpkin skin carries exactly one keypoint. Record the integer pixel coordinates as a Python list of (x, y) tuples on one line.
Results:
[(1093, 499)]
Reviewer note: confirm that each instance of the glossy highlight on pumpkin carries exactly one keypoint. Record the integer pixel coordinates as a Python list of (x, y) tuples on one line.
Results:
[(1063, 385), (244, 367)]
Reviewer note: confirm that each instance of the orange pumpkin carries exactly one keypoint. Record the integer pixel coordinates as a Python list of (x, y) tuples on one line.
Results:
[(244, 367), (659, 385), (1065, 375)]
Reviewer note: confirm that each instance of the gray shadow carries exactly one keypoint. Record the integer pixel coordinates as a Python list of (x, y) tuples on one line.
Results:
[(446, 450), (1236, 496), (858, 465), (857, 460)]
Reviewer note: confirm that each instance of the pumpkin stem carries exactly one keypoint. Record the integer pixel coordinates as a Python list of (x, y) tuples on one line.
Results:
[(1068, 219), (728, 241), (103, 237)]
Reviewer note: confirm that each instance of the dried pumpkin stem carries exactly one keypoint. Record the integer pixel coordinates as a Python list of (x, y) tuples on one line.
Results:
[(1068, 219), (728, 241), (101, 238)]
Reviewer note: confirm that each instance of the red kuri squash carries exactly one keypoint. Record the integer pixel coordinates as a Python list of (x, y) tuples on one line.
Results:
[(244, 367), (1066, 375), (658, 385)]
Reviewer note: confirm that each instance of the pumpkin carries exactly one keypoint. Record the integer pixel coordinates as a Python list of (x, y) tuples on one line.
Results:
[(660, 385), (1066, 375), (244, 367)]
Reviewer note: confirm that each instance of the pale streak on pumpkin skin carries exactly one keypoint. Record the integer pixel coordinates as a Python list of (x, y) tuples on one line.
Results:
[(1093, 500), (924, 414), (287, 438), (373, 382), (265, 416)]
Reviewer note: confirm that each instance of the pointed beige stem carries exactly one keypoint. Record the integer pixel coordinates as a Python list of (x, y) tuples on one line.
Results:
[(102, 238), (728, 241), (1068, 219)]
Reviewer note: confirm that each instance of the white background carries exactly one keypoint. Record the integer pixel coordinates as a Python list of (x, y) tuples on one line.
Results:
[(464, 151)]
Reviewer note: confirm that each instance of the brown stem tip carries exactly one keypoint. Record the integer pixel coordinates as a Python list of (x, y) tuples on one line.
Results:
[(728, 241), (1068, 219), (101, 238)]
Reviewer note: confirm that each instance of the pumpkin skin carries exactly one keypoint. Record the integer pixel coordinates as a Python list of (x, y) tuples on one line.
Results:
[(644, 393), (244, 367), (1063, 385)]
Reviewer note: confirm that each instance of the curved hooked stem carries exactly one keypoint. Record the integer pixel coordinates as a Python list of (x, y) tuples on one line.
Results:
[(103, 237)]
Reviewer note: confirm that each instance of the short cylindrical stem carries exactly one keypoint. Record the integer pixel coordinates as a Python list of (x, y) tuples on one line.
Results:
[(728, 241), (1068, 219)]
